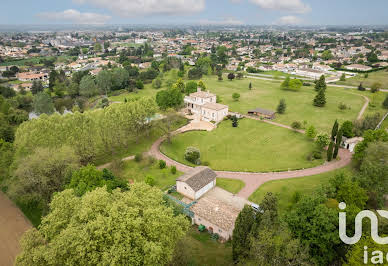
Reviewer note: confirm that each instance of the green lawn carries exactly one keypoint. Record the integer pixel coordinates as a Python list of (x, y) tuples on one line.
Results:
[(284, 189), (198, 249), (231, 185), (253, 146), (137, 171), (378, 76), (267, 94)]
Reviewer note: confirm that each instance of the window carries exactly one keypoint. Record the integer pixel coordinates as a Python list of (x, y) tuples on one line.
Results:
[(213, 115), (199, 219), (219, 230), (185, 188)]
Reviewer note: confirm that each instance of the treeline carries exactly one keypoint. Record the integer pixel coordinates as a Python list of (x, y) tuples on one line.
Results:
[(90, 133)]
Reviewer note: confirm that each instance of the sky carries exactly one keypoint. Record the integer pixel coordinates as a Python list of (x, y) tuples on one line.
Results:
[(205, 12)]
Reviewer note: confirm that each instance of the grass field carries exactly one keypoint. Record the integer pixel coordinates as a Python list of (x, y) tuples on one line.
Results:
[(253, 146), (378, 76), (137, 171), (231, 185), (286, 188), (199, 249)]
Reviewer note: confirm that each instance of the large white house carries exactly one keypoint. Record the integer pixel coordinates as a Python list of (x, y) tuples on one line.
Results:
[(203, 105)]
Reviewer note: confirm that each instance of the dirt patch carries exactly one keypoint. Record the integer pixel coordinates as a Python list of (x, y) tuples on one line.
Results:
[(12, 226)]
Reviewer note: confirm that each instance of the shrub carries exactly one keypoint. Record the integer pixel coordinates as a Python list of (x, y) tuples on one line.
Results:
[(205, 163), (317, 154), (162, 164), (322, 141), (234, 121), (296, 125), (173, 170), (236, 96), (138, 157), (193, 155), (311, 132), (281, 109), (342, 106), (149, 180)]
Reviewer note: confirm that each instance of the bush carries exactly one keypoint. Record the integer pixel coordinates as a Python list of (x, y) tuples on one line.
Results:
[(149, 180), (342, 106), (173, 170), (296, 125), (162, 164), (205, 163), (138, 157), (193, 155), (317, 154)]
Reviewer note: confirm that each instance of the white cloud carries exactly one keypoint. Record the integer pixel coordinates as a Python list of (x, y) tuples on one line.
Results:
[(74, 16), (132, 8), (226, 21), (295, 6), (289, 20)]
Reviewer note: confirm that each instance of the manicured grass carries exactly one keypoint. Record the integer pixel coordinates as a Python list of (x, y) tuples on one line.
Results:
[(201, 250), (231, 185), (284, 189), (378, 76), (253, 146), (267, 94), (137, 171)]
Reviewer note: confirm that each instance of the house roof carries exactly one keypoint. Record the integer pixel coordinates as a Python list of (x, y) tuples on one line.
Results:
[(198, 177), (202, 94), (217, 212), (262, 111), (214, 106)]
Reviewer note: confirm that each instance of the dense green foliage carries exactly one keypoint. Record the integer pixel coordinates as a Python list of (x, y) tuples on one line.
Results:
[(100, 228)]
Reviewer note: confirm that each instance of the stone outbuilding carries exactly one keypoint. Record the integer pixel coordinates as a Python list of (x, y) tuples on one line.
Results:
[(196, 183)]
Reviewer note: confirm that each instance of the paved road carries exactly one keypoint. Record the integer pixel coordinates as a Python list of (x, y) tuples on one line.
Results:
[(254, 180), (12, 226)]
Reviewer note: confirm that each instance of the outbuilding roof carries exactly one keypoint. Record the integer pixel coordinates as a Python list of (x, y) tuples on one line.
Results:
[(198, 178), (262, 111)]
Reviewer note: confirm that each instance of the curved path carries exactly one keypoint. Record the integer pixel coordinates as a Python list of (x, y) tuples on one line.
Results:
[(254, 180)]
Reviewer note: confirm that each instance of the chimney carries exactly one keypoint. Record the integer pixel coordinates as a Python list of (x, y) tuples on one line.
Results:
[(198, 89)]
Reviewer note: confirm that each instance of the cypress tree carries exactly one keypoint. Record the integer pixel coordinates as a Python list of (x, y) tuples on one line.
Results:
[(385, 103), (337, 143), (250, 85), (321, 84), (281, 109), (334, 131), (320, 99), (241, 232), (330, 151)]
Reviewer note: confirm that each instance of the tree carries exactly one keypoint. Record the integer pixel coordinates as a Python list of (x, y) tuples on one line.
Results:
[(157, 83), (321, 84), (250, 85), (360, 87), (167, 124), (295, 84), (234, 121), (281, 109), (343, 77), (219, 75), (311, 132), (286, 83), (236, 96), (41, 174), (52, 78), (334, 130), (296, 125), (195, 73), (36, 87), (43, 104), (139, 85), (139, 218), (356, 254), (104, 81), (88, 87), (231, 76), (191, 87), (243, 225), (88, 178), (327, 55), (320, 99), (330, 151), (240, 75), (376, 86), (385, 102), (338, 141), (170, 98), (347, 129), (202, 85), (322, 141), (193, 155)]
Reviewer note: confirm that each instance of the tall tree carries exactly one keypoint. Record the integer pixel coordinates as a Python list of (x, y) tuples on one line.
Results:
[(243, 225), (330, 151), (281, 109), (320, 99), (321, 84), (337, 143), (102, 227), (334, 130), (43, 104)]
